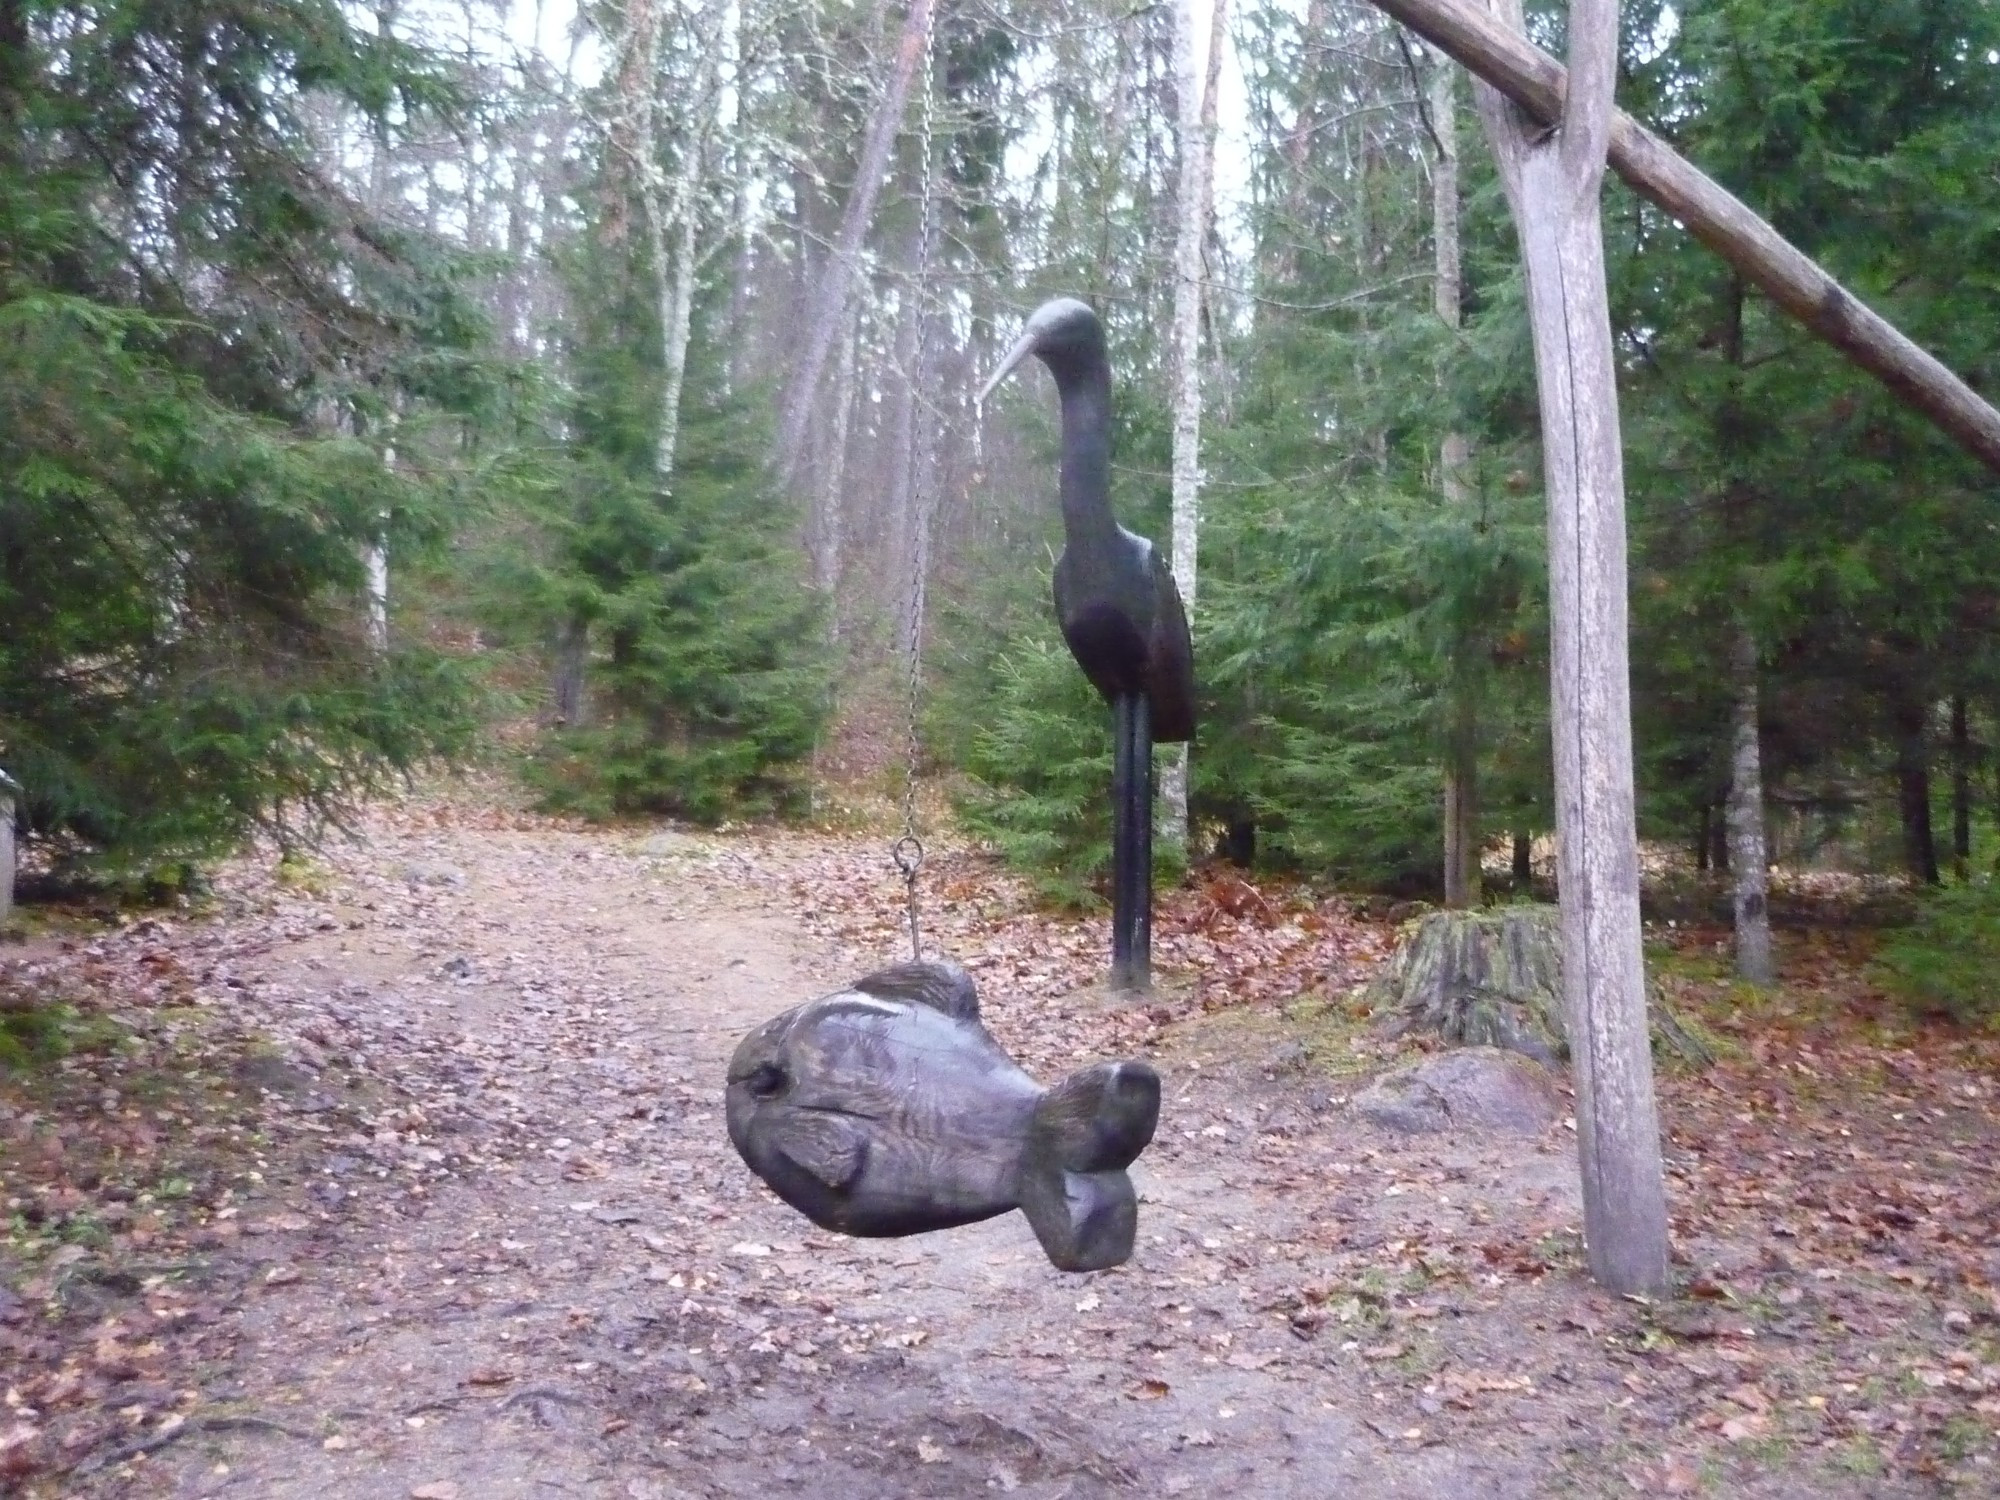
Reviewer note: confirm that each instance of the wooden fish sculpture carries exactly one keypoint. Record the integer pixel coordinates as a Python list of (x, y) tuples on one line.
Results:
[(887, 1109)]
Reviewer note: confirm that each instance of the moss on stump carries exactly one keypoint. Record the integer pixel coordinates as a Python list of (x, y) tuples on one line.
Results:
[(1493, 978)]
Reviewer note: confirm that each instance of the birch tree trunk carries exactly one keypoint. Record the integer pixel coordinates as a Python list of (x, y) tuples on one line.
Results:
[(829, 297), (375, 552), (1553, 181), (742, 208), (1198, 111), (681, 214), (1747, 857), (375, 560), (1461, 774)]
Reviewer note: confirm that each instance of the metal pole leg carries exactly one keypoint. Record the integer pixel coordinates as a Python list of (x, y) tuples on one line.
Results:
[(1131, 845)]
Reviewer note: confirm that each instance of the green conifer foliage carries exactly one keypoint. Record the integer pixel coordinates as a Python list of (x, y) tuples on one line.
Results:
[(706, 677), (182, 657), (1772, 482)]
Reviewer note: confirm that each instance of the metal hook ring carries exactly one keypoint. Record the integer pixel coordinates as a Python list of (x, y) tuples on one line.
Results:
[(908, 853)]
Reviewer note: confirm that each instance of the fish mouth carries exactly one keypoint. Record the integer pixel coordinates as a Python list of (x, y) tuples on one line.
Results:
[(840, 1111)]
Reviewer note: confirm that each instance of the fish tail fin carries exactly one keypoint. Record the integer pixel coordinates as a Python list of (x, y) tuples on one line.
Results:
[(1083, 1135)]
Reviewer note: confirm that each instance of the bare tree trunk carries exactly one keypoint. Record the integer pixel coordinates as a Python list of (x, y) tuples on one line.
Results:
[(742, 204), (566, 687), (682, 213), (1747, 858), (629, 132), (830, 295), (1198, 113), (830, 530), (8, 787), (630, 129), (375, 560), (1298, 158), (1961, 790), (1913, 789), (1554, 182), (1461, 772), (375, 552), (902, 416)]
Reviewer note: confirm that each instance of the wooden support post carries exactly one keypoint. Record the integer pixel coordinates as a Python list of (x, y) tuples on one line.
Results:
[(1132, 844), (1553, 181)]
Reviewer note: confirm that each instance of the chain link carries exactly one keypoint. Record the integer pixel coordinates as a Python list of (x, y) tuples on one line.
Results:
[(908, 851)]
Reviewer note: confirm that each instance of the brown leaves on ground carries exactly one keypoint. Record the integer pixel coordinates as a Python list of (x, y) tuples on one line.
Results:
[(1219, 942), (1832, 1179)]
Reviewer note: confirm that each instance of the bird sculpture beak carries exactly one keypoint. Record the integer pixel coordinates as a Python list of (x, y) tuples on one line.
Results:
[(1023, 347)]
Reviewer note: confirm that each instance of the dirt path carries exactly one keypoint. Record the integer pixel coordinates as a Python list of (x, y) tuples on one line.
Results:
[(490, 1240), (549, 1275)]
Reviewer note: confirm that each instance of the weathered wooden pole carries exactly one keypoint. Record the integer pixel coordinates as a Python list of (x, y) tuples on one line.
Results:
[(1554, 182), (1535, 82)]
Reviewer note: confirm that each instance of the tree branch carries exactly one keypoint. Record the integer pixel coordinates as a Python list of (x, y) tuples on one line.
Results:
[(1535, 82)]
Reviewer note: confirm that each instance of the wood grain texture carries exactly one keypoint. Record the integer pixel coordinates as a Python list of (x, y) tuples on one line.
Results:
[(1553, 188)]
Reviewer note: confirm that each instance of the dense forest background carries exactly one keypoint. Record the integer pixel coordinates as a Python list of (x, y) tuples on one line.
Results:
[(375, 374)]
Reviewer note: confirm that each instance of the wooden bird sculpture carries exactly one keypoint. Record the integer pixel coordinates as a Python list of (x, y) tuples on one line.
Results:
[(1119, 611)]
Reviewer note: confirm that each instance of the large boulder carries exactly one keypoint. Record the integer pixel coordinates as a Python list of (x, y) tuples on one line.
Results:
[(1481, 1088)]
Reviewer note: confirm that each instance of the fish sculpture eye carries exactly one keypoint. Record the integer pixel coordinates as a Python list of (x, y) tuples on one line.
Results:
[(767, 1082)]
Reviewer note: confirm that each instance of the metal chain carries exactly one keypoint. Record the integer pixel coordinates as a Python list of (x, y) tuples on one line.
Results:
[(908, 851)]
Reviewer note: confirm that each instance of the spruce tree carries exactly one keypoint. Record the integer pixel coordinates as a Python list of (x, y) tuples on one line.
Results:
[(180, 285), (684, 595)]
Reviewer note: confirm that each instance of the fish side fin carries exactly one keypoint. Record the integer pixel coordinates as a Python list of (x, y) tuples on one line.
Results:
[(938, 983), (1082, 1136), (831, 1147)]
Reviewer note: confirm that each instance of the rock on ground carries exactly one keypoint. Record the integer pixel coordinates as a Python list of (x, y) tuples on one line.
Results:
[(1473, 1086)]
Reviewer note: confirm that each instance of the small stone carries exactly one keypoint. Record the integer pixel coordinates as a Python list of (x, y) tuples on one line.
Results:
[(1290, 1058)]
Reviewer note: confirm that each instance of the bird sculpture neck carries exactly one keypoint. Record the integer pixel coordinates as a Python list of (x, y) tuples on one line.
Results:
[(1085, 388)]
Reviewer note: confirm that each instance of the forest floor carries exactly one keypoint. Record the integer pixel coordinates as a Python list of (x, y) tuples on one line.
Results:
[(404, 1174)]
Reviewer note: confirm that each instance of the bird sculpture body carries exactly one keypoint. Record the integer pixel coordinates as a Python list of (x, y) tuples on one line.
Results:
[(1119, 612)]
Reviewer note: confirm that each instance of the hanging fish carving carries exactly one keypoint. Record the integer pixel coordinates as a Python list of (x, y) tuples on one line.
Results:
[(886, 1109)]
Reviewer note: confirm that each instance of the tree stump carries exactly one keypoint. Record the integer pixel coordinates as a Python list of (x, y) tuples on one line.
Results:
[(1493, 978)]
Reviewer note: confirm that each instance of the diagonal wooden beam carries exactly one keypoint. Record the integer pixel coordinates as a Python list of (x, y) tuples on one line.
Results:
[(1766, 259)]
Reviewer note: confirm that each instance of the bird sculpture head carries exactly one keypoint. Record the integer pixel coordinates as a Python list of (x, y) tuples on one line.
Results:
[(1066, 335)]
